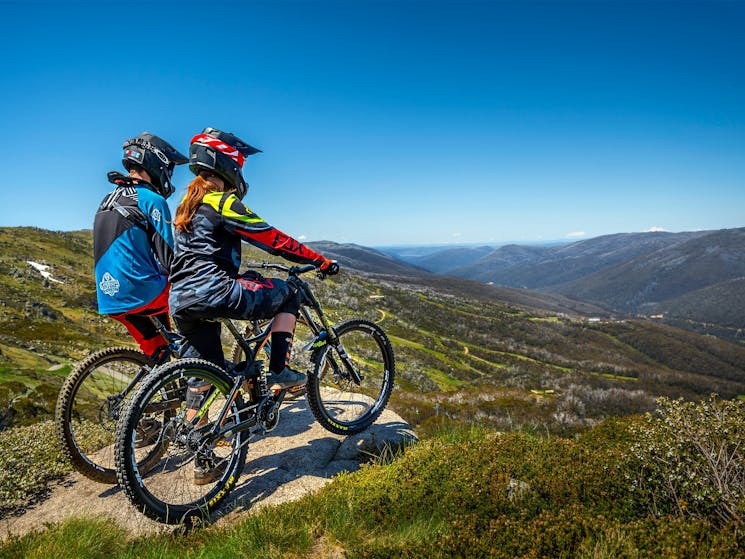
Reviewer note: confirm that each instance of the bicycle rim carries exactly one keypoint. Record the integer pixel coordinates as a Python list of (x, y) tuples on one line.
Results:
[(340, 404), (179, 484), (88, 408)]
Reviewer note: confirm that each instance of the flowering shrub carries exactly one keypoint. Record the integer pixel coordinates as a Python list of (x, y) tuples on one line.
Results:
[(688, 459)]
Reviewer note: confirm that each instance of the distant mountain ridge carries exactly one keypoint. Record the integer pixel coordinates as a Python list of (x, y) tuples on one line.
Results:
[(547, 267), (442, 262), (691, 278), (372, 261), (366, 259), (670, 272)]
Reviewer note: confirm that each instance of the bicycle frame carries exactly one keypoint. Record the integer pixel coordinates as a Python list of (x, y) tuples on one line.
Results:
[(260, 397)]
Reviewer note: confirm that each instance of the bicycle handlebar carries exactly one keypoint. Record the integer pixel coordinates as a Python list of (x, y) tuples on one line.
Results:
[(292, 270)]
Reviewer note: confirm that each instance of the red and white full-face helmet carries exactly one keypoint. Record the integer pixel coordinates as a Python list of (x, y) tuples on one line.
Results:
[(222, 153)]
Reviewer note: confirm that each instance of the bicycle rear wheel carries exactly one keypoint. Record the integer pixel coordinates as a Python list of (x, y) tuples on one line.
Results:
[(89, 405), (175, 488), (338, 403)]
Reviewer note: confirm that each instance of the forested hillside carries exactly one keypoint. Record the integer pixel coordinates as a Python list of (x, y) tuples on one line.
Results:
[(466, 351), (690, 280)]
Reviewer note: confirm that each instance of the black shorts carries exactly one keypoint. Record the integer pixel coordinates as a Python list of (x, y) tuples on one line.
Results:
[(251, 297)]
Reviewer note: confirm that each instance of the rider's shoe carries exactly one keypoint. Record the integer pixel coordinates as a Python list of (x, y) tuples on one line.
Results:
[(207, 470), (286, 379), (147, 432)]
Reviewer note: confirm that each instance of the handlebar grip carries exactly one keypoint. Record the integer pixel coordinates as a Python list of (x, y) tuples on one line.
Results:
[(304, 269)]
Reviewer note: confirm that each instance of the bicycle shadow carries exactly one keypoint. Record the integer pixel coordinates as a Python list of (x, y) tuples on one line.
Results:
[(297, 456)]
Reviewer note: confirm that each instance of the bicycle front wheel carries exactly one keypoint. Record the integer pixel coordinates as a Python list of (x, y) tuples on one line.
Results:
[(196, 470), (340, 403), (89, 405)]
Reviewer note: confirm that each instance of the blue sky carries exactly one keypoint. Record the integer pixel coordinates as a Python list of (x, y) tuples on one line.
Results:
[(390, 122)]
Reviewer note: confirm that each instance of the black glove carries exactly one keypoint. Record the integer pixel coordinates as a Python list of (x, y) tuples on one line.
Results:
[(329, 268)]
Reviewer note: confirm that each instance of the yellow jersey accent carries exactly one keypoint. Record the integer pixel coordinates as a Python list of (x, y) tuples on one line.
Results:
[(212, 199)]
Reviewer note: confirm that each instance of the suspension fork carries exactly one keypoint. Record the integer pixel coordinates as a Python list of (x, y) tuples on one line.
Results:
[(332, 339)]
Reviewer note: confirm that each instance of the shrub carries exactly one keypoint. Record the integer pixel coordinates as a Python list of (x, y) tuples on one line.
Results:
[(688, 459), (30, 458)]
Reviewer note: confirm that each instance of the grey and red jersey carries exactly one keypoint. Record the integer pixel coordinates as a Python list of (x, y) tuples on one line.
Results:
[(207, 259)]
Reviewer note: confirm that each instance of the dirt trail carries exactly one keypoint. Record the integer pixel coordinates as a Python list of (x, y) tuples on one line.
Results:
[(299, 456)]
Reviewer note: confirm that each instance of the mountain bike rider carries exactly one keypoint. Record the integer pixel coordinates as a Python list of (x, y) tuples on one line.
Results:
[(210, 224), (133, 241)]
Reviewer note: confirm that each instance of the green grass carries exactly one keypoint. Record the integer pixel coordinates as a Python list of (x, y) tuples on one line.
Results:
[(444, 382), (611, 376), (462, 493), (16, 376), (23, 358)]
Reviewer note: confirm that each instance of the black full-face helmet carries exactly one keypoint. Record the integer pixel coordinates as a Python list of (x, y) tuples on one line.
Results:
[(157, 157), (222, 153)]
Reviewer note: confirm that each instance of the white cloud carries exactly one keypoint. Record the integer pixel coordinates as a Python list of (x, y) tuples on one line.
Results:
[(456, 235), (656, 229), (302, 238), (575, 234)]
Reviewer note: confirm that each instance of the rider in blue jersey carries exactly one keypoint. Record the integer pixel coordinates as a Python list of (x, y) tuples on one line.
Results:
[(133, 241)]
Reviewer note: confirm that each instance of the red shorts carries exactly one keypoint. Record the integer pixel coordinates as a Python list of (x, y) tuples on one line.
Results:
[(141, 327)]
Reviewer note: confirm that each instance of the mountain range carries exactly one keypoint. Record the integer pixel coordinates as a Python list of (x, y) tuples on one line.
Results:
[(482, 371), (691, 279)]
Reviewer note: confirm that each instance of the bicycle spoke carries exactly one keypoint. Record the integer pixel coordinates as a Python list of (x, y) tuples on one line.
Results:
[(194, 469)]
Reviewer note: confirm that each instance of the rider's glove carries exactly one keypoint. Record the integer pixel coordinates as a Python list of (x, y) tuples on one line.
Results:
[(329, 267)]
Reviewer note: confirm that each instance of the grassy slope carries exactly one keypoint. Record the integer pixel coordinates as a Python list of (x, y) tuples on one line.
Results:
[(471, 494)]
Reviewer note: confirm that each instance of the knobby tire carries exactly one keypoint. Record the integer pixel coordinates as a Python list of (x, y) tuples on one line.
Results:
[(86, 408), (338, 403), (168, 492)]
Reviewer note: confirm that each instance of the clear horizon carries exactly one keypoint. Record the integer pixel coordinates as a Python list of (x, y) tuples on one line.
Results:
[(391, 123)]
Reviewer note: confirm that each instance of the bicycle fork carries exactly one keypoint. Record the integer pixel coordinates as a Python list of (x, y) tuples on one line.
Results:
[(327, 336)]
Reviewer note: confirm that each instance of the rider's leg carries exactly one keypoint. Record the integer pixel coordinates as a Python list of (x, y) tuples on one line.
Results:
[(257, 297), (283, 329), (202, 341), (142, 329)]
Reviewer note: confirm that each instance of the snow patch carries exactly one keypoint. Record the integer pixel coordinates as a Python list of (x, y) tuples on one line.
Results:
[(42, 269)]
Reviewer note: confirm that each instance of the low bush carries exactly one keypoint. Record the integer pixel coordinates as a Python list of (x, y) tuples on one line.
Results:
[(688, 460), (30, 458)]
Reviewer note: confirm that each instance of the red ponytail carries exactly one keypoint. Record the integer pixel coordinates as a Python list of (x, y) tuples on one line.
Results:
[(197, 190)]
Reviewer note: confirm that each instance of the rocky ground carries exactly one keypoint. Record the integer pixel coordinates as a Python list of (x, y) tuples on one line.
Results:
[(299, 456)]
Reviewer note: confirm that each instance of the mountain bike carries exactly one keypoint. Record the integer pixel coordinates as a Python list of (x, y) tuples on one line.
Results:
[(92, 397), (349, 384), (90, 402)]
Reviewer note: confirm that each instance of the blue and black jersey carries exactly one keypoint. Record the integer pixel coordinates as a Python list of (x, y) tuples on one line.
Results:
[(133, 247)]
